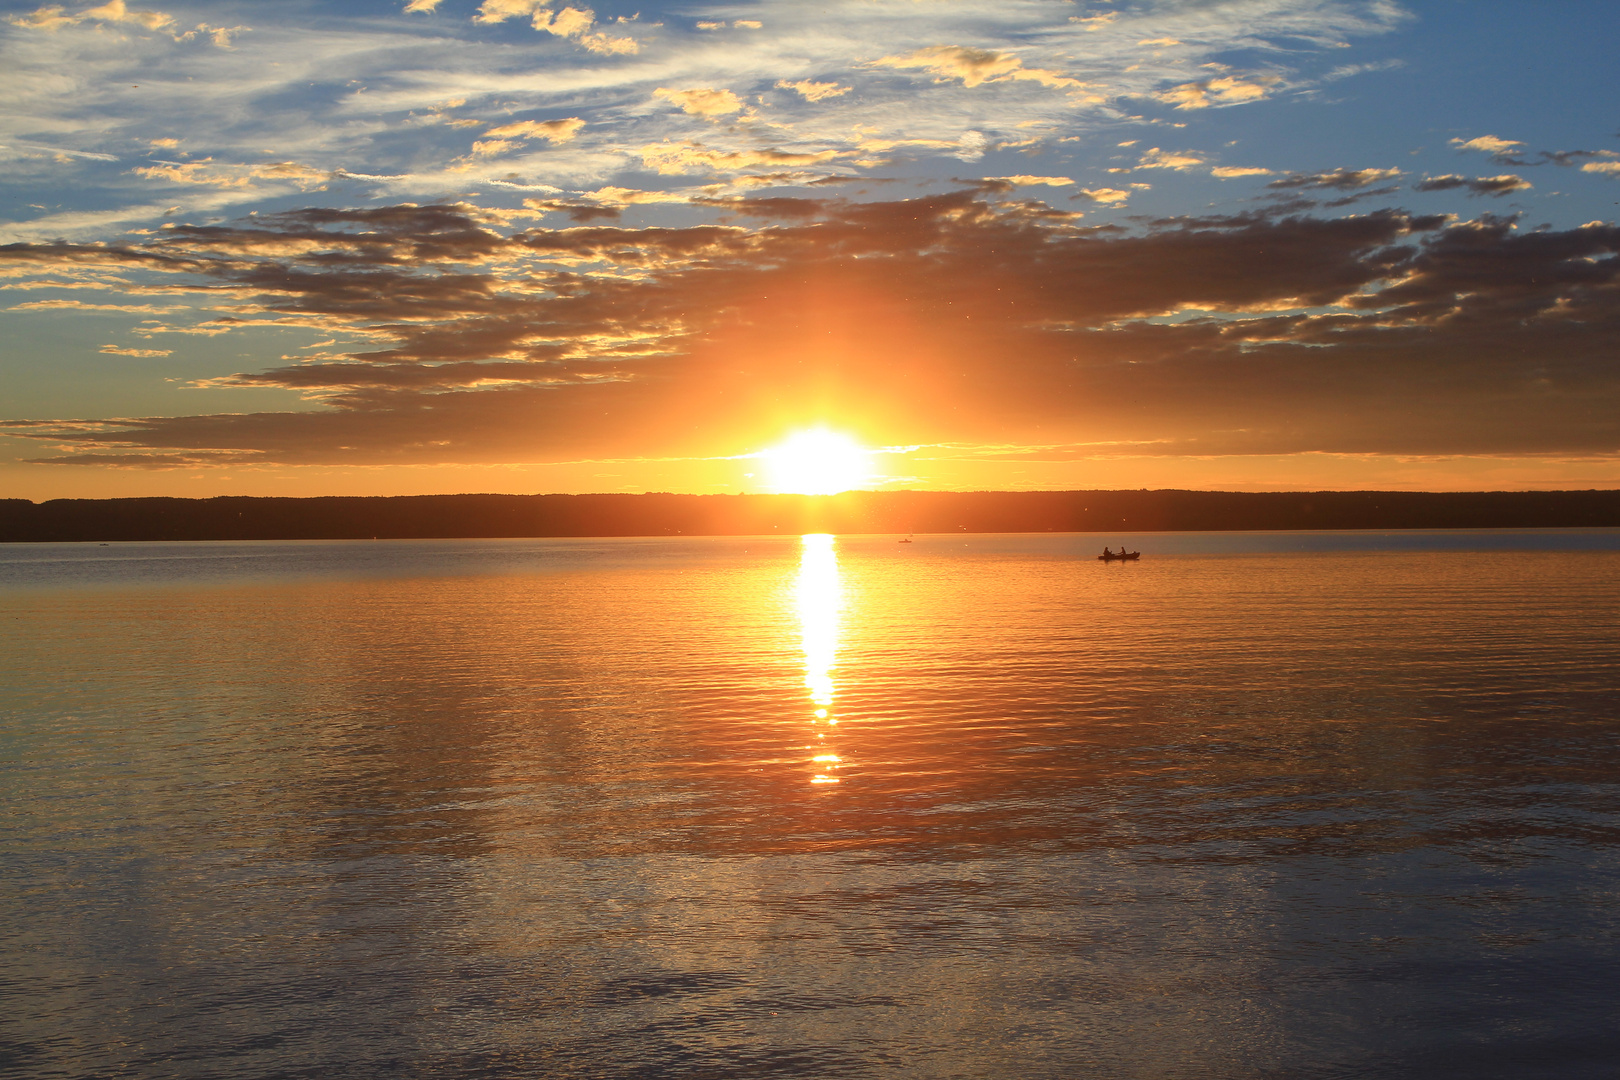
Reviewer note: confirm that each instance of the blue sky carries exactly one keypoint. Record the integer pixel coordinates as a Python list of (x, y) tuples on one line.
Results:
[(312, 248)]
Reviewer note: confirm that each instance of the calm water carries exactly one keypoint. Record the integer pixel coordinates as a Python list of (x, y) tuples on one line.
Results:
[(1270, 806)]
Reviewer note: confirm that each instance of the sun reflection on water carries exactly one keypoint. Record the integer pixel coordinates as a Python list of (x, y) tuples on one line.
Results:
[(819, 598)]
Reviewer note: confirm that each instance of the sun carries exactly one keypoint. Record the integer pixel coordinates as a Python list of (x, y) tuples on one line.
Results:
[(817, 462)]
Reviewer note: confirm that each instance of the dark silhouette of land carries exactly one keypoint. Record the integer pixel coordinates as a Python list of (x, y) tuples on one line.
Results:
[(424, 516)]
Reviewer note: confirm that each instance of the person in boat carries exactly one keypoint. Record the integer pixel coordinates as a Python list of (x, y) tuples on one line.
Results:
[(1106, 552)]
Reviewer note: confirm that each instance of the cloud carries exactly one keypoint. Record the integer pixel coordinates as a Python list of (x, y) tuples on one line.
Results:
[(117, 11), (1490, 144), (1226, 90), (1105, 196), (1345, 71), (702, 101), (575, 24), (1178, 161), (1034, 181), (54, 16), (1337, 180), (974, 66), (813, 91), (1232, 172), (553, 131), (114, 350), (49, 17), (498, 11), (208, 173), (1380, 332), (1605, 168), (421, 5), (677, 158), (1503, 151), (80, 305), (1093, 23), (1483, 185)]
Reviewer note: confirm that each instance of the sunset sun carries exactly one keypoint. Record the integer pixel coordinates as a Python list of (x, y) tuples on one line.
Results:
[(816, 462)]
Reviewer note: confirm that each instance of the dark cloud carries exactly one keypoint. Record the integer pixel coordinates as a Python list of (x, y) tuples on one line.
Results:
[(1479, 185), (1567, 158), (1337, 180), (950, 317), (1361, 196)]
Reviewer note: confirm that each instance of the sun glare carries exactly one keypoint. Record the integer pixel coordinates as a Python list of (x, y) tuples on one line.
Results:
[(817, 462)]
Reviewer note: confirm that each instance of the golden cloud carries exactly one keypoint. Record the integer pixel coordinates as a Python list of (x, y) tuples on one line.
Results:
[(702, 101), (53, 16), (1034, 181), (497, 11), (1232, 172), (207, 173), (1490, 144), (553, 131), (114, 350), (813, 91), (1227, 90), (1106, 196), (1180, 161), (974, 66), (669, 158)]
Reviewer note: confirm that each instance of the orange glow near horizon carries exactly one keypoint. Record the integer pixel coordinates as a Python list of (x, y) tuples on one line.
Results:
[(817, 461)]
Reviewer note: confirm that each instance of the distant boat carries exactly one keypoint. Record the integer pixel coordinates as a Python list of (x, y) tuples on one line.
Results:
[(905, 541), (1120, 556)]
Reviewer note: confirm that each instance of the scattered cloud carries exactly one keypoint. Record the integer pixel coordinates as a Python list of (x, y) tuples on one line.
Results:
[(1034, 181), (1232, 172), (1502, 151), (1490, 144), (571, 22), (813, 91), (1482, 185), (1605, 168), (1337, 180), (1177, 160), (702, 101), (1345, 71), (677, 158), (1226, 90), (421, 5), (208, 173), (553, 131), (1105, 196), (1093, 23), (497, 11), (114, 350), (974, 67)]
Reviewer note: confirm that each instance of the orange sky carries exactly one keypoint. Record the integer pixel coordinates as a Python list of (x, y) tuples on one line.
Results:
[(1038, 250)]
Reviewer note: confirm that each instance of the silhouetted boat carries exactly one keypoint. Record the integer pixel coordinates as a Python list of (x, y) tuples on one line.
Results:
[(1120, 556)]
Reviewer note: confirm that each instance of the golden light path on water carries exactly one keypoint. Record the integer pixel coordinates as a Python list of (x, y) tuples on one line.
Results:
[(819, 598)]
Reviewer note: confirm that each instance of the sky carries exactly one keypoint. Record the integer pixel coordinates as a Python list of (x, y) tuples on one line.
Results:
[(438, 246)]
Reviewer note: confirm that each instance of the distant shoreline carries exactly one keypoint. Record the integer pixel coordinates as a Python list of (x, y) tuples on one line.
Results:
[(512, 516)]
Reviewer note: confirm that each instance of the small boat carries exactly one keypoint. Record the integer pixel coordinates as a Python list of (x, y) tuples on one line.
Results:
[(907, 540), (1119, 556)]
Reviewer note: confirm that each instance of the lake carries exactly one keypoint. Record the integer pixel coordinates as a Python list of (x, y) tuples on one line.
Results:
[(1261, 805)]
